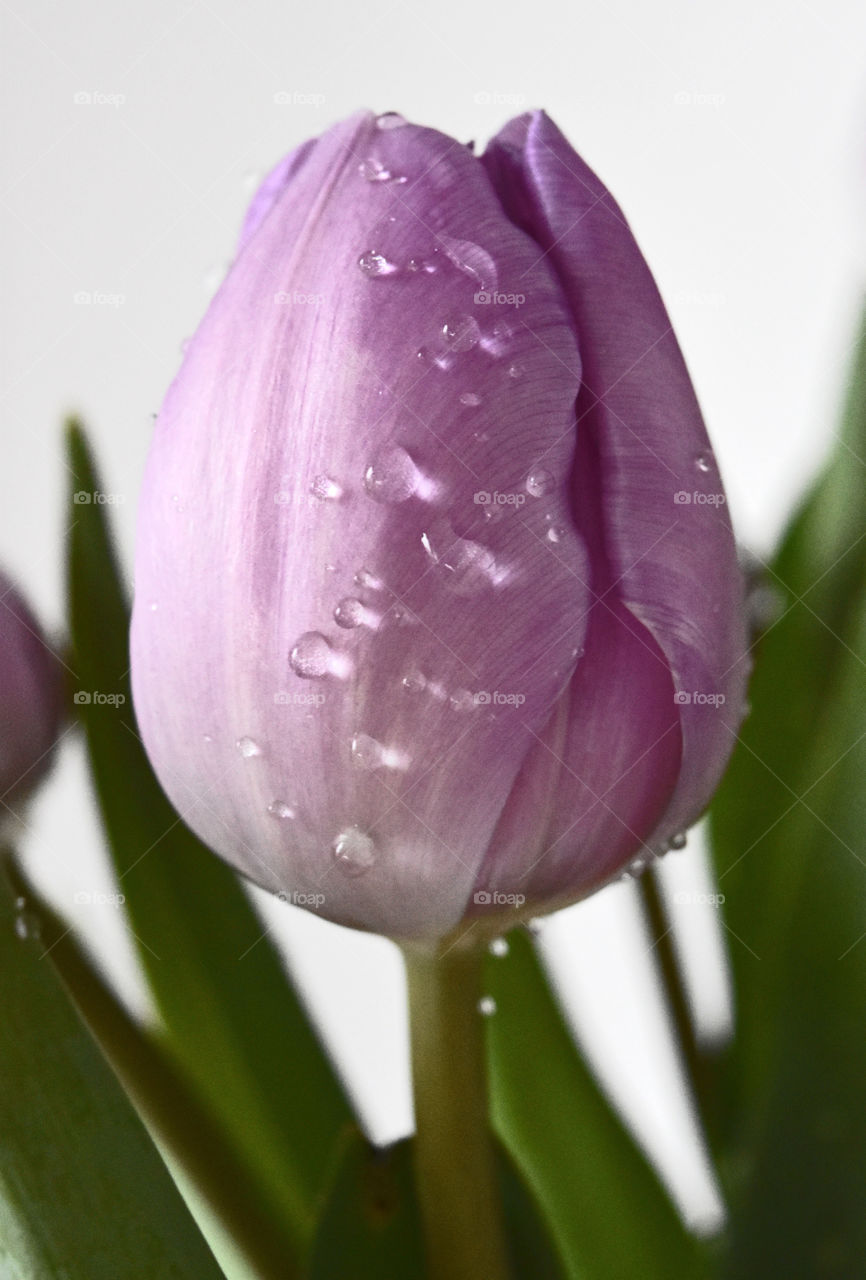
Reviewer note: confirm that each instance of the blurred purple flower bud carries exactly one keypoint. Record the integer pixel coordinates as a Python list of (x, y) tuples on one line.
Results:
[(437, 606), (31, 700)]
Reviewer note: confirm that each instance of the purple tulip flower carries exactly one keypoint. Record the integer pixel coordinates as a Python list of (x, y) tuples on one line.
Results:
[(31, 700), (437, 611)]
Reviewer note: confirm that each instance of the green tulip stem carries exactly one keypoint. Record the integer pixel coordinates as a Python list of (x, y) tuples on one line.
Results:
[(455, 1165)]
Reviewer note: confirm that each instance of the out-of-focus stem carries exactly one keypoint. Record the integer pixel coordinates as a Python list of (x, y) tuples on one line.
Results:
[(455, 1162)]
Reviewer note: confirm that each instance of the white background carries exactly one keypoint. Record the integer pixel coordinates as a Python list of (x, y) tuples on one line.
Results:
[(734, 137)]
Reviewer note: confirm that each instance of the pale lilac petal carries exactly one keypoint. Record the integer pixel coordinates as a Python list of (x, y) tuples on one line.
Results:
[(306, 370), (671, 563)]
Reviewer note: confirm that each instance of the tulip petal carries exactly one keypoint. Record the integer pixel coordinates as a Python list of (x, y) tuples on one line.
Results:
[(667, 537), (333, 630)]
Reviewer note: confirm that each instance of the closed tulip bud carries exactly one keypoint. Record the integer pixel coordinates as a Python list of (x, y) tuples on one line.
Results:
[(31, 699), (437, 607)]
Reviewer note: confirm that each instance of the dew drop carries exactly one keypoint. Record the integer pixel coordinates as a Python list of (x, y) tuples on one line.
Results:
[(248, 748), (414, 682), (474, 261), (374, 171), (367, 753), (487, 1006), (311, 656), (499, 947), (678, 841), (470, 398), (354, 851), (374, 264), (639, 865), (462, 334), (554, 534), (349, 613), (540, 482), (279, 809), (325, 488), (702, 462), (390, 120), (462, 700), (401, 616), (424, 265), (392, 476), (27, 923), (499, 339), (516, 371), (367, 580)]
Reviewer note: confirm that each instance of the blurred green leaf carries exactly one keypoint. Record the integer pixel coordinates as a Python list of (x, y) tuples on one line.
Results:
[(371, 1225), (231, 1016), (789, 831), (84, 1194), (609, 1214)]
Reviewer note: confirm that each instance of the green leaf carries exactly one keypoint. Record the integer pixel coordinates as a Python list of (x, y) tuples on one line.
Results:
[(84, 1194), (789, 832), (371, 1224), (231, 1016), (608, 1213)]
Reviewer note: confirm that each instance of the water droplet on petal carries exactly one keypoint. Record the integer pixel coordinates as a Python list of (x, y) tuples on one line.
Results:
[(279, 809), (367, 753), (466, 566), (516, 371), (153, 606), (390, 120), (366, 579), (462, 700), (474, 261), (424, 265), (540, 482), (374, 171), (499, 947), (462, 334), (555, 534), (354, 851), (487, 1006), (702, 462), (207, 738), (248, 748), (325, 488), (392, 477), (639, 864), (414, 682), (349, 613), (470, 398), (678, 841), (312, 656), (374, 264)]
